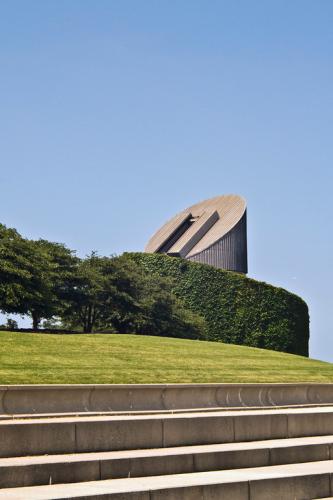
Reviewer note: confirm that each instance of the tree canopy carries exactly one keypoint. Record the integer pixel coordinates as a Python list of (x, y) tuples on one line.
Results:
[(47, 281)]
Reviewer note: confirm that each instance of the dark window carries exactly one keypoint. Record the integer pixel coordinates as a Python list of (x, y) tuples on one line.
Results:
[(177, 234)]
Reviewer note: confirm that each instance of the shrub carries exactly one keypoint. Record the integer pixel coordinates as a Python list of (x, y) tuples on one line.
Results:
[(157, 309), (236, 309)]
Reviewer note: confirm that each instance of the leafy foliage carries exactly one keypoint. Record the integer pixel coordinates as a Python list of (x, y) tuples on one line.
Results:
[(162, 313), (148, 294), (114, 294), (48, 282), (51, 280), (34, 275), (101, 287), (15, 259), (236, 309)]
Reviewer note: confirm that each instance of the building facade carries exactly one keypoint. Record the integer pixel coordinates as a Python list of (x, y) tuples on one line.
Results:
[(212, 232)]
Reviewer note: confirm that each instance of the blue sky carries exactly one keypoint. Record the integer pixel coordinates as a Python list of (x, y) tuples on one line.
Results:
[(117, 114)]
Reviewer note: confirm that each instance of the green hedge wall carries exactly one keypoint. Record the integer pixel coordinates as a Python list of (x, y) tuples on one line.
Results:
[(237, 309)]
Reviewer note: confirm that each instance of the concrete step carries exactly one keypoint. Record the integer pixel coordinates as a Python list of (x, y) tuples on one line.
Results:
[(29, 399), (112, 433), (71, 468), (282, 482), (29, 416)]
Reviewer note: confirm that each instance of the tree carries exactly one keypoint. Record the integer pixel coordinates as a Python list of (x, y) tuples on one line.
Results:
[(102, 290), (52, 279), (15, 271), (47, 281), (11, 324), (34, 275), (156, 309), (163, 314)]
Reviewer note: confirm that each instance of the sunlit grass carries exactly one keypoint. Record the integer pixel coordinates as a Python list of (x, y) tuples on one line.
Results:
[(101, 359)]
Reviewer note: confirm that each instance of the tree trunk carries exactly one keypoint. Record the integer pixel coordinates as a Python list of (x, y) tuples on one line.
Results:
[(35, 320), (88, 322)]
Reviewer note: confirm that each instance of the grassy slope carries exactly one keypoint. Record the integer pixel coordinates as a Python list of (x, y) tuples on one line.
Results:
[(26, 358)]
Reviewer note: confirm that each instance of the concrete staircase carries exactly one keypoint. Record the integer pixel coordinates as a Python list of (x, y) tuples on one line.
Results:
[(207, 442)]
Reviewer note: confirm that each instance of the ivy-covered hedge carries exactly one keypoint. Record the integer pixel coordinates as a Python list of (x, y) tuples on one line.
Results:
[(237, 309)]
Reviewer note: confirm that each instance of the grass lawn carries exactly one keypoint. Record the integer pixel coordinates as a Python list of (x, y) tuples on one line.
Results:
[(100, 359)]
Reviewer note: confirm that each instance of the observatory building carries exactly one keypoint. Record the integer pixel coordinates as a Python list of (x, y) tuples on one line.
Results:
[(212, 232)]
